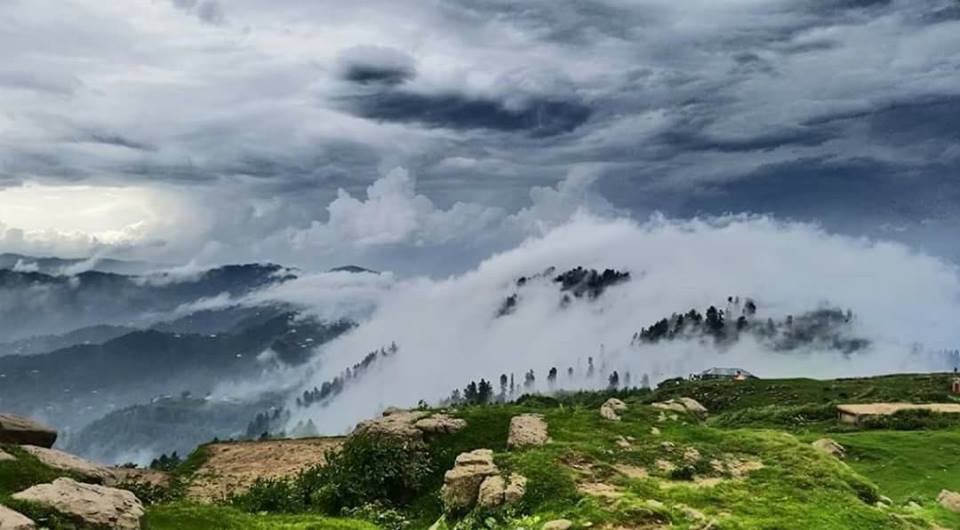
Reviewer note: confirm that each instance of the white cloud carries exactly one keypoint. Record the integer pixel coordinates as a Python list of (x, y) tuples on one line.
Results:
[(448, 333)]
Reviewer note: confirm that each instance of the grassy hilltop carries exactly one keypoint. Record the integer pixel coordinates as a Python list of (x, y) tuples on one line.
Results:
[(748, 465)]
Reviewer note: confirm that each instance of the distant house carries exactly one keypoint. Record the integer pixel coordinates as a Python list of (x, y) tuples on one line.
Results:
[(726, 373)]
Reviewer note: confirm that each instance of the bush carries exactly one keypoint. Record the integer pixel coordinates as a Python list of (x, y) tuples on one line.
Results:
[(370, 468), (912, 420), (367, 470)]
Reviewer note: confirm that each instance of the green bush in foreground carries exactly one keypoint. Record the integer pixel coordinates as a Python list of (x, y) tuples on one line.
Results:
[(367, 470)]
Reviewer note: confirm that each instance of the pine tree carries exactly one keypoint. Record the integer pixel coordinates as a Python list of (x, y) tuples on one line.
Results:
[(614, 380)]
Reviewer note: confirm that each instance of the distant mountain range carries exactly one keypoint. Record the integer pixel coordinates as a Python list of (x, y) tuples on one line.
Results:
[(36, 303), (58, 266), (107, 353)]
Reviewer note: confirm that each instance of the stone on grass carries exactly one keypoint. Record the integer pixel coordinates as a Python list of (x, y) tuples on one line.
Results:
[(461, 485), (24, 431), (66, 462), (5, 456), (11, 520), (88, 505), (949, 500), (830, 447), (516, 487), (558, 524), (527, 430), (491, 491), (611, 408)]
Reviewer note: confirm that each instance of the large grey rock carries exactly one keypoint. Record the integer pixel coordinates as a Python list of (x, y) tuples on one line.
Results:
[(461, 485), (410, 424), (491, 491), (527, 430), (949, 500), (19, 430), (5, 456), (831, 447), (611, 408), (89, 505), (683, 404), (67, 462), (11, 520)]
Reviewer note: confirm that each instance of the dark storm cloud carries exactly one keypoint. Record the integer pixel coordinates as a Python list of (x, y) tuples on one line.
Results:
[(770, 105), (367, 65), (539, 118), (116, 140)]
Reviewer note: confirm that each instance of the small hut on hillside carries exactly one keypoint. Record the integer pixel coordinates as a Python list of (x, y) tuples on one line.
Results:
[(734, 374)]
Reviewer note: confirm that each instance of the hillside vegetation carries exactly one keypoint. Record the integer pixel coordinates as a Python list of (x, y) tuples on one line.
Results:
[(748, 464)]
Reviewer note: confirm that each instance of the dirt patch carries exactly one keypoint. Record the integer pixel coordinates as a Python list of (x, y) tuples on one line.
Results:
[(599, 489), (697, 482), (635, 472), (233, 467)]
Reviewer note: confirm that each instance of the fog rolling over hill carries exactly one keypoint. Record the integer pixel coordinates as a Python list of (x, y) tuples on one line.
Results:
[(213, 353)]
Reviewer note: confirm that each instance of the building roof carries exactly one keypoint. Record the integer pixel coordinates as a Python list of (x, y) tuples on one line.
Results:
[(726, 372)]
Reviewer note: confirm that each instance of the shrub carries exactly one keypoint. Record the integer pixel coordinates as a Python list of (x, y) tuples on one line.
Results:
[(912, 420), (368, 470)]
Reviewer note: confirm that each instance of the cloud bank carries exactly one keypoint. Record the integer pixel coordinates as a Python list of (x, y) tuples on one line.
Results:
[(448, 332)]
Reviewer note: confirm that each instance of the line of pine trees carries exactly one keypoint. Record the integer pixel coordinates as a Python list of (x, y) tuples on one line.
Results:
[(483, 391)]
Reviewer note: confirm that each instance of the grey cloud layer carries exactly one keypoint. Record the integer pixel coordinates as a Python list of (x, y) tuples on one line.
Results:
[(843, 112)]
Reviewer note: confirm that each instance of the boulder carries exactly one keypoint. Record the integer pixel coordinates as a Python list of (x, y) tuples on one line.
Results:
[(693, 406), (395, 422), (19, 430), (11, 520), (5, 456), (491, 491), (558, 524), (830, 447), (89, 505), (461, 485), (67, 462), (440, 423), (527, 430), (691, 455), (611, 407), (410, 424), (949, 500), (516, 488), (683, 404)]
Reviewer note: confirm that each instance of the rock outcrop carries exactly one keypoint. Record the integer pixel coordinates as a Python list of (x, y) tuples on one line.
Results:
[(67, 462), (683, 404), (409, 424), (22, 431), (611, 408), (11, 520), (89, 505), (461, 485), (476, 480), (516, 488), (440, 423), (527, 430), (5, 456), (949, 500), (830, 447), (491, 491)]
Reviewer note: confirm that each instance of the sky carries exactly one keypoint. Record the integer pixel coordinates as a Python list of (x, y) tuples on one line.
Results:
[(425, 136)]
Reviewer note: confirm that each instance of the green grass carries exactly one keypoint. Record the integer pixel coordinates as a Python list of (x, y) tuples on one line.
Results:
[(180, 516), (906, 464), (772, 421), (724, 395)]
